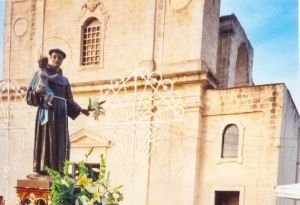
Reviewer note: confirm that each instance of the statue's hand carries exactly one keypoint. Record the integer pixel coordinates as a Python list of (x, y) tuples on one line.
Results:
[(39, 90), (85, 112)]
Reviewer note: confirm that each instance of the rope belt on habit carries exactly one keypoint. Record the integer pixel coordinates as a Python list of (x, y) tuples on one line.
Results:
[(43, 118), (60, 98)]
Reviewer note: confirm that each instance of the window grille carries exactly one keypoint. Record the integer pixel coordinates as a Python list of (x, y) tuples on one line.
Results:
[(91, 54)]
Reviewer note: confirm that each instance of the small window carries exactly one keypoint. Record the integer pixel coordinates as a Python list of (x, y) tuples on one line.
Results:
[(230, 141), (91, 43)]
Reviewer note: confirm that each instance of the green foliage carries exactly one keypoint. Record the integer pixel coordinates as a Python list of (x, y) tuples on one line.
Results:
[(97, 107), (84, 186), (61, 193), (66, 167)]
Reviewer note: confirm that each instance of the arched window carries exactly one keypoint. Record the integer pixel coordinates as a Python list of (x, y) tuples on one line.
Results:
[(91, 40), (230, 141)]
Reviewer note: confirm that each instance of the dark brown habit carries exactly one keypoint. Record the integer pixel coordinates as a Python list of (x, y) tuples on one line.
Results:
[(51, 144)]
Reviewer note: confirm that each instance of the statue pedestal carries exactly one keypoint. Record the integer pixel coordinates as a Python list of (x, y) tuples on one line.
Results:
[(34, 191)]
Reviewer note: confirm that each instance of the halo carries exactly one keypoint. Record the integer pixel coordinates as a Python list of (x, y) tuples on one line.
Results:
[(57, 42)]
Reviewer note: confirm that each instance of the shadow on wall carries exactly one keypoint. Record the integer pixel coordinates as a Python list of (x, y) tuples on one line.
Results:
[(241, 68)]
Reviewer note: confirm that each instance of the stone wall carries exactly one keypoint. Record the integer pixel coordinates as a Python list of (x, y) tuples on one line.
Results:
[(288, 160), (257, 111), (235, 54), (180, 39), (210, 34), (173, 161), (19, 27), (169, 36)]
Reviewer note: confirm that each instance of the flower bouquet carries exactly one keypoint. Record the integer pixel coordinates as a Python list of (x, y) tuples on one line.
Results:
[(96, 106), (85, 186)]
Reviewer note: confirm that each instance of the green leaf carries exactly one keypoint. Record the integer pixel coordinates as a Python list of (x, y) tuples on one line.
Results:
[(102, 102), (90, 104), (89, 153)]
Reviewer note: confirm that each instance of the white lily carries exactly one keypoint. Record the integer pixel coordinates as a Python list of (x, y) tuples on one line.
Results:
[(84, 200)]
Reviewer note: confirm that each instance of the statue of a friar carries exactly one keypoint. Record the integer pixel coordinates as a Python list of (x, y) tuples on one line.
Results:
[(50, 91)]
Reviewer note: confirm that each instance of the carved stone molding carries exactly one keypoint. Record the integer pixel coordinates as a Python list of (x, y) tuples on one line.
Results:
[(20, 26), (16, 1), (147, 65), (179, 4), (160, 19), (87, 138), (91, 5), (94, 9)]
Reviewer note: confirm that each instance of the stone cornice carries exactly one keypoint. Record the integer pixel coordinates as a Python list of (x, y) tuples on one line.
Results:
[(205, 78)]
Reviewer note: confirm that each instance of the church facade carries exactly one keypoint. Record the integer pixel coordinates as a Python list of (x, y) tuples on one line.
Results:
[(236, 141)]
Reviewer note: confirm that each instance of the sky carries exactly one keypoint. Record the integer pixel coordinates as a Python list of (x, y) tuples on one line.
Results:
[(272, 28)]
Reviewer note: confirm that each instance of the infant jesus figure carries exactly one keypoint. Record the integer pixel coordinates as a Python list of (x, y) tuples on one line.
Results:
[(43, 84)]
